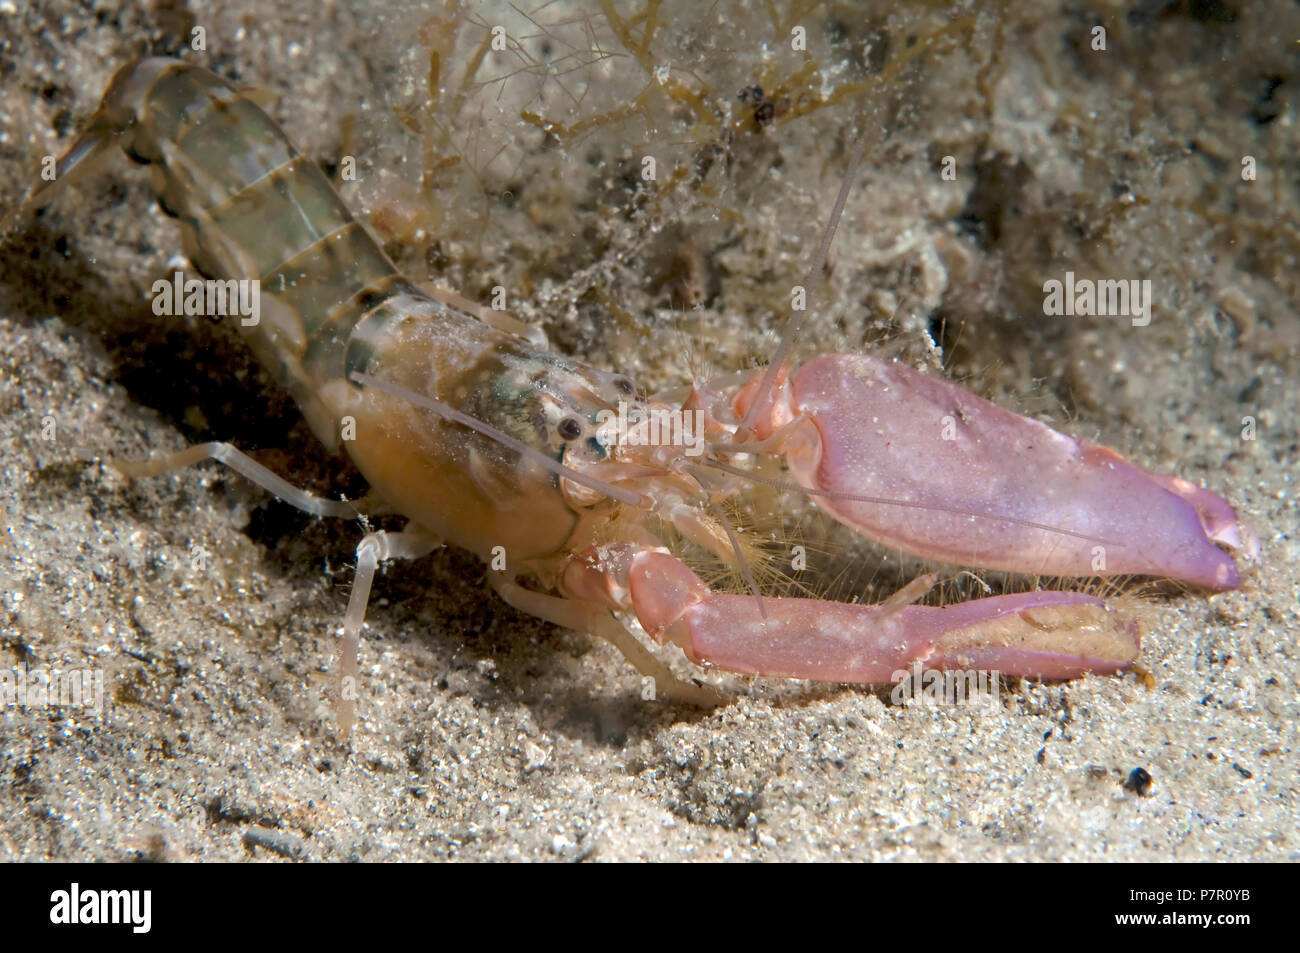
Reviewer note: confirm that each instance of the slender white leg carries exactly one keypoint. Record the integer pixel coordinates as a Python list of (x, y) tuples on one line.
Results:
[(597, 620), (246, 466), (374, 548), (371, 551)]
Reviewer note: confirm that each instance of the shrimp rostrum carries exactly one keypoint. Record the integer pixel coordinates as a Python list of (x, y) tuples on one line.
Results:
[(577, 482)]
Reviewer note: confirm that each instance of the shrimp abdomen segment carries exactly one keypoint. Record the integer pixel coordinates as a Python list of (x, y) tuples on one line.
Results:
[(252, 207)]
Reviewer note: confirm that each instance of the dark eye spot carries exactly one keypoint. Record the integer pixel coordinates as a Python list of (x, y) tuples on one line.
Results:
[(624, 386), (370, 300), (570, 428)]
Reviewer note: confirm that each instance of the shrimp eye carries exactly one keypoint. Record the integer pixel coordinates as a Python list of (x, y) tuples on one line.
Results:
[(624, 386), (570, 428)]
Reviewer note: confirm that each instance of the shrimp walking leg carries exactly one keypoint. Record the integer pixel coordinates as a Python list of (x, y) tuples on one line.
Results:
[(373, 549), (246, 467)]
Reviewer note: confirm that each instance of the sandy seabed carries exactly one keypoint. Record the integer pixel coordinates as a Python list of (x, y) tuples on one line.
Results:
[(488, 735)]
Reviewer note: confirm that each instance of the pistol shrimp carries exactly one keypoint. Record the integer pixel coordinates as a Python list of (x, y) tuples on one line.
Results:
[(482, 437)]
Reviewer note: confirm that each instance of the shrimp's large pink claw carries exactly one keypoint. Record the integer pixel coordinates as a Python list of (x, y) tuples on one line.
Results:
[(988, 487), (1042, 634)]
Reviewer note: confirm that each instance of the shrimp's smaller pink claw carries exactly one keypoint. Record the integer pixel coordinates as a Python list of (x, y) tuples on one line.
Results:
[(1042, 634)]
